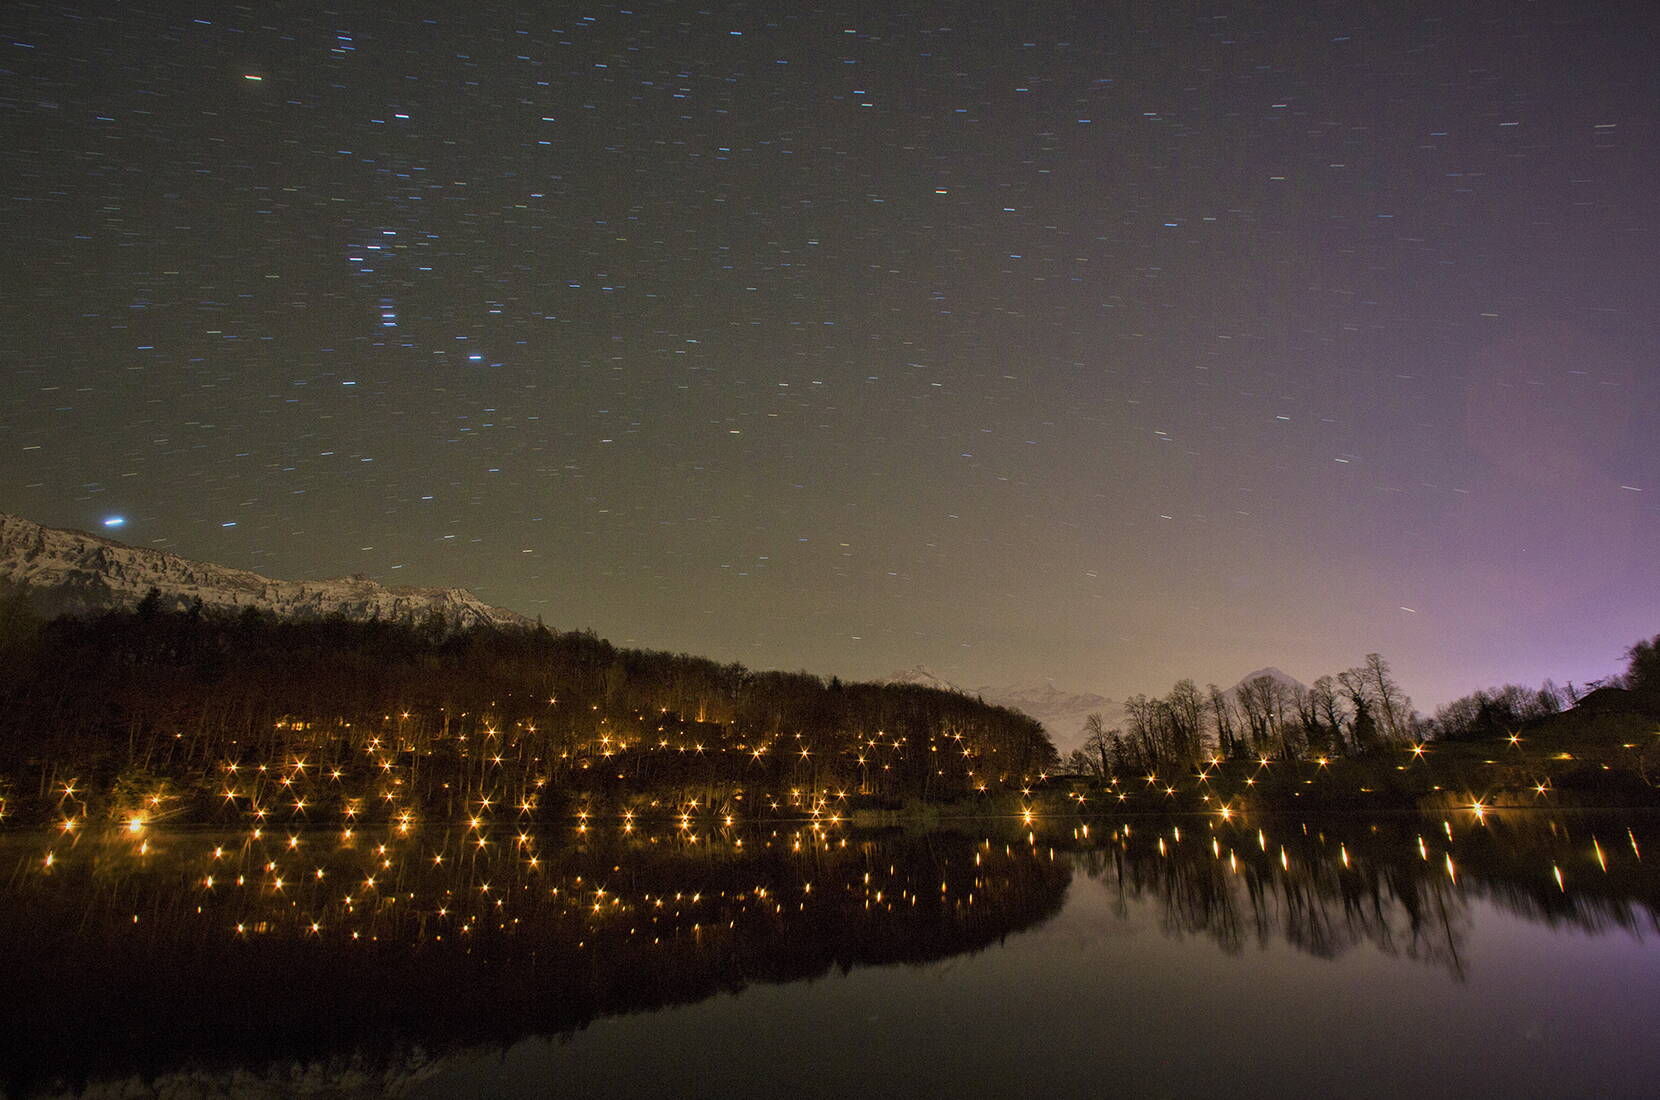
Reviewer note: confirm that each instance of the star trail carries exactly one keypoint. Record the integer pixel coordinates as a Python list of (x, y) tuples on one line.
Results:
[(1106, 342)]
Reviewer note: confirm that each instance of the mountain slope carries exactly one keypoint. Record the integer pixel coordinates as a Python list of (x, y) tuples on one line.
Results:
[(923, 676), (1284, 679), (1061, 712), (74, 572)]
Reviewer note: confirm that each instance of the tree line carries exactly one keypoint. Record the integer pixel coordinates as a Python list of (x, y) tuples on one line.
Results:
[(1350, 713), (177, 693), (1359, 709), (1494, 712)]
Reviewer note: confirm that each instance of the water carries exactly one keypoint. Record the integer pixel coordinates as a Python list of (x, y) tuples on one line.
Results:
[(1144, 956)]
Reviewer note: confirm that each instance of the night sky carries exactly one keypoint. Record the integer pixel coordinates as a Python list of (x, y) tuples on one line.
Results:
[(1106, 342)]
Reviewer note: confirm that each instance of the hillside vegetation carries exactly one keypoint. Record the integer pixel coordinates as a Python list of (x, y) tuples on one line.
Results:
[(201, 716)]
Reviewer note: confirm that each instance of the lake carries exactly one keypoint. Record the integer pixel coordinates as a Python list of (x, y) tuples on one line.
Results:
[(1514, 951)]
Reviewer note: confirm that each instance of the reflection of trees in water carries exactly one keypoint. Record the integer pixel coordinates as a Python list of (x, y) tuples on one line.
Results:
[(122, 956), (1403, 886), (1610, 877)]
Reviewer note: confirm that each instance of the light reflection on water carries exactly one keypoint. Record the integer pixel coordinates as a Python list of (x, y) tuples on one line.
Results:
[(1176, 954)]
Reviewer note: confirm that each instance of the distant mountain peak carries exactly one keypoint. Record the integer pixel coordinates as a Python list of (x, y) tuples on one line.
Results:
[(1044, 695), (1272, 673), (76, 572), (1061, 712), (922, 676)]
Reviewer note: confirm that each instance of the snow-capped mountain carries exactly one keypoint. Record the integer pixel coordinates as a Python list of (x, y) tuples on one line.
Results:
[(72, 571), (922, 676), (1061, 712)]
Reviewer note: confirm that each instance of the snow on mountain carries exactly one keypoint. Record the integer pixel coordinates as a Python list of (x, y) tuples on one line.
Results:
[(1061, 712), (1043, 697), (923, 676), (71, 571)]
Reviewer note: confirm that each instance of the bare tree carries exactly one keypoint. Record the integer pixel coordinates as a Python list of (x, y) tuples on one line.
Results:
[(1098, 745), (1262, 699), (1185, 714), (1363, 730), (1309, 729), (1146, 724), (1394, 708), (1224, 718), (1328, 704)]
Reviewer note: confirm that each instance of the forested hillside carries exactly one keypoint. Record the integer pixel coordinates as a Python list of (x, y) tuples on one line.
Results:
[(219, 716)]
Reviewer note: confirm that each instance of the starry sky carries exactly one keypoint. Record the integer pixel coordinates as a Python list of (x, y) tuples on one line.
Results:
[(1108, 342)]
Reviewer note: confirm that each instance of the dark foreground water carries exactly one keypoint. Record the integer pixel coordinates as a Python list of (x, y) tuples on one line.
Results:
[(1518, 952)]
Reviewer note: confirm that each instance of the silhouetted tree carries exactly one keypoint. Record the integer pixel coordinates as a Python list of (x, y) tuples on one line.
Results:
[(1642, 674)]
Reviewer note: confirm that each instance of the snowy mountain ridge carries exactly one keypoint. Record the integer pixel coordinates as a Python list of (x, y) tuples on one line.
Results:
[(75, 572), (923, 676), (1043, 697), (1061, 712)]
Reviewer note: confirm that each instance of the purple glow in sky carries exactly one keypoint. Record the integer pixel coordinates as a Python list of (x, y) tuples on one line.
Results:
[(1110, 343)]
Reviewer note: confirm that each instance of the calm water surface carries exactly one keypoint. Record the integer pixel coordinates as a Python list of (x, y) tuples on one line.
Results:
[(1147, 956)]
